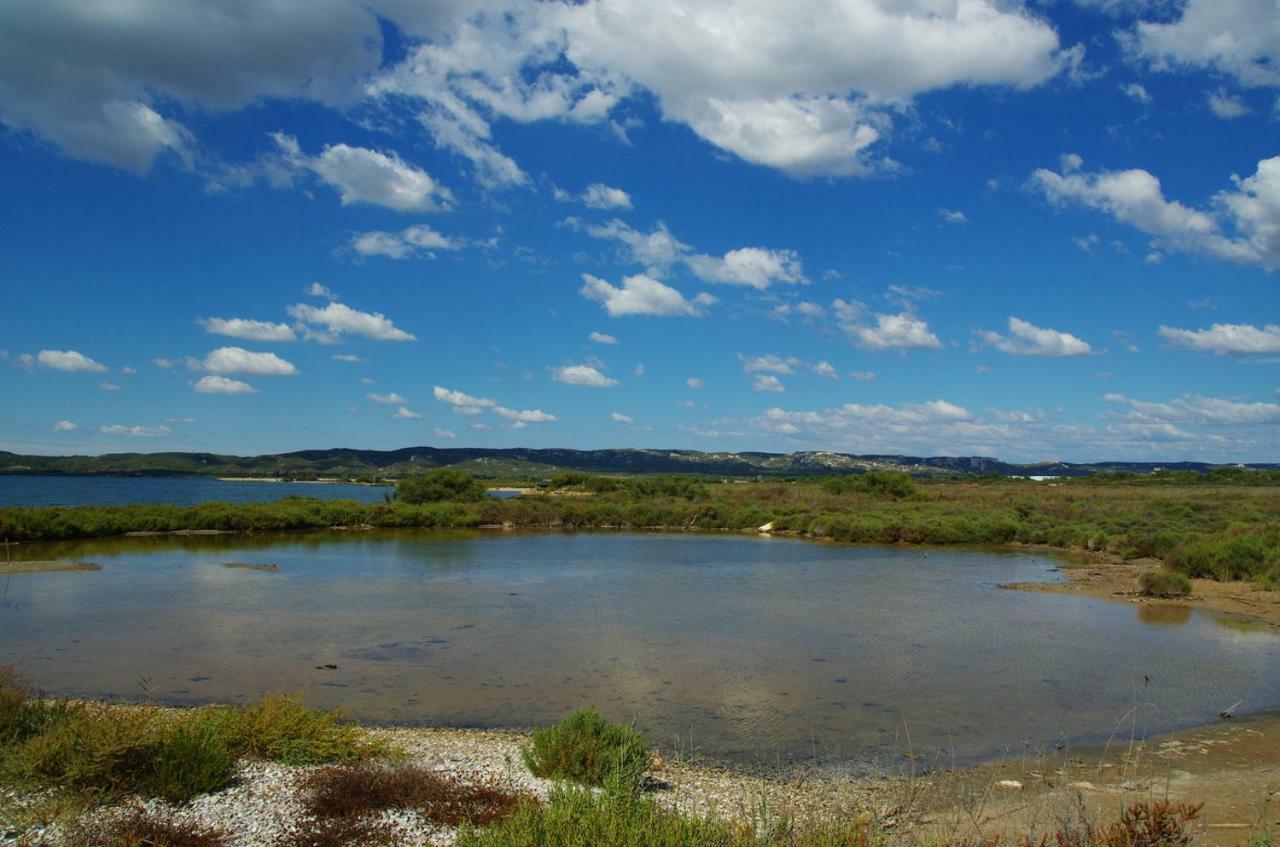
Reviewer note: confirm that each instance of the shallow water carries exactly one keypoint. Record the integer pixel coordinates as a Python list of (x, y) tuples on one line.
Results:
[(22, 490), (749, 649)]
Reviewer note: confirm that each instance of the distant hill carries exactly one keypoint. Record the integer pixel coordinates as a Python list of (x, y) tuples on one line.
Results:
[(521, 463)]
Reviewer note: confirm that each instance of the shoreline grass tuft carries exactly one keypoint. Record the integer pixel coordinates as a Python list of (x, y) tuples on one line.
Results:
[(588, 749)]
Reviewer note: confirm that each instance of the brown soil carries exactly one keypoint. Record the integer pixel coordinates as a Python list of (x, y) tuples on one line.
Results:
[(1241, 602)]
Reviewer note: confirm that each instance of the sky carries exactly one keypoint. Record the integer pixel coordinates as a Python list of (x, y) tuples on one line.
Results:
[(1031, 230)]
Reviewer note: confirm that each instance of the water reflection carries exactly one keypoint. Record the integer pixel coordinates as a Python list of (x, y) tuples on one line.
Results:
[(1159, 614)]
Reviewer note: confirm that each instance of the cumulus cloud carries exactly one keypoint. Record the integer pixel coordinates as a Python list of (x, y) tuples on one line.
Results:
[(618, 417), (597, 195), (1226, 339), (135, 431), (797, 87), (237, 360), (346, 357), (391, 399), (878, 331), (694, 382), (70, 361), (404, 413), (952, 216), (315, 289), (768, 382), (602, 338), (1026, 339), (95, 84), (248, 330), (460, 400), (1232, 37), (863, 376), (1227, 106), (108, 386), (327, 324), (444, 433), (642, 295), (1134, 197), (413, 242), (1198, 409), (65, 426), (659, 250), (769, 363), (524, 415), (213, 384), (582, 375)]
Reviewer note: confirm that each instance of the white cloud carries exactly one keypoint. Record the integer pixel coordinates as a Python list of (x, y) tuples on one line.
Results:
[(70, 361), (582, 375), (602, 338), (346, 357), (237, 360), (1226, 339), (136, 431), (642, 295), (223, 385), (1134, 197), (128, 371), (524, 416), (769, 363), (338, 319), (825, 369), (1137, 91), (108, 386), (460, 400), (65, 426), (162, 363), (863, 376), (618, 417), (768, 382), (419, 241), (391, 399), (403, 413), (1191, 409), (315, 289), (600, 196), (952, 216), (444, 433), (248, 330), (1026, 339), (877, 331), (756, 267), (1227, 106), (1233, 37), (694, 382), (378, 178)]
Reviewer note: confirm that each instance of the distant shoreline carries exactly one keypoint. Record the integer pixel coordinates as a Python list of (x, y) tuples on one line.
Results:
[(330, 481)]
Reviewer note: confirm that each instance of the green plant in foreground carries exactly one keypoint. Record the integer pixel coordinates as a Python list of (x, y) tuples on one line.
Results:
[(1164, 583), (586, 748)]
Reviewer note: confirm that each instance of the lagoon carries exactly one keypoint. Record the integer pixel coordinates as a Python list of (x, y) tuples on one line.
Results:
[(749, 650)]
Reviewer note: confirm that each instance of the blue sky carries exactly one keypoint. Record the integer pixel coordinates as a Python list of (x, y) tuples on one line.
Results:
[(1041, 231)]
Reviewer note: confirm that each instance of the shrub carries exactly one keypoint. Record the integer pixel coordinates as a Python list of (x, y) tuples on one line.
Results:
[(197, 758), (439, 486), (94, 748), (137, 828), (888, 484), (283, 730), (586, 748), (1164, 583)]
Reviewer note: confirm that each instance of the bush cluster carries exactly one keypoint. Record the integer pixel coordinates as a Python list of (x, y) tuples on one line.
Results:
[(587, 749)]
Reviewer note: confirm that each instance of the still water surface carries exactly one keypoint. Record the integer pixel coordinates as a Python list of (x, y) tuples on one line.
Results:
[(753, 649), (21, 490)]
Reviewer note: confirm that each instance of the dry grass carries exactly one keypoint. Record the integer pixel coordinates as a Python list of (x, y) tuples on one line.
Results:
[(342, 832)]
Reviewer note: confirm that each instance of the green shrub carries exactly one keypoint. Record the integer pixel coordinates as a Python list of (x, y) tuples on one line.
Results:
[(283, 730), (888, 484), (197, 758), (586, 748), (1163, 583), (440, 485)]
